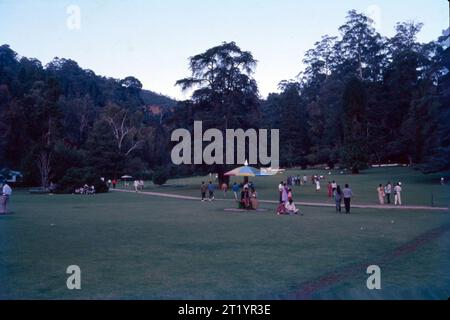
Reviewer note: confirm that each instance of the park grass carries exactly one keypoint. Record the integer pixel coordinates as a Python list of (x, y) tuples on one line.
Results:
[(418, 189), (133, 246)]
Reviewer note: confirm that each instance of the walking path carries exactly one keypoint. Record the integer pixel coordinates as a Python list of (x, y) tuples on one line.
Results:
[(307, 204)]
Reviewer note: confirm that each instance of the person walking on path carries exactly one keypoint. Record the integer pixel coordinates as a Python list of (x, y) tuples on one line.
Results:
[(235, 189), (317, 185), (338, 198), (348, 194), (6, 193), (398, 194), (388, 191), (224, 189), (203, 189), (381, 194), (211, 189)]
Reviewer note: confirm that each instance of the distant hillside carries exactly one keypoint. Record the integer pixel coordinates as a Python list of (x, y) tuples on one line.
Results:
[(152, 99)]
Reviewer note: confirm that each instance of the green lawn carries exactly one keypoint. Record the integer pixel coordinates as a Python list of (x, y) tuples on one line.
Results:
[(418, 189), (132, 246)]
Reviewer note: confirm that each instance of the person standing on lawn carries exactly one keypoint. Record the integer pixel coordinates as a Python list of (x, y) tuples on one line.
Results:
[(330, 190), (280, 190), (348, 194), (317, 185), (381, 194), (387, 192), (235, 189), (338, 198), (284, 194), (211, 189), (203, 189), (334, 186), (6, 193), (398, 194), (224, 188)]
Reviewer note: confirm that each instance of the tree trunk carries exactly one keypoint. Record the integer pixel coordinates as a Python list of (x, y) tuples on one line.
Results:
[(43, 164)]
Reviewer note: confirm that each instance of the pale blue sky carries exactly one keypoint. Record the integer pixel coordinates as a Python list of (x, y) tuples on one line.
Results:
[(153, 39)]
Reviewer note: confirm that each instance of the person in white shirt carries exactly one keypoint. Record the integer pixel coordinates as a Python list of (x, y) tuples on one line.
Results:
[(280, 190), (6, 193), (334, 186), (387, 192), (291, 208), (136, 185), (317, 185), (398, 194)]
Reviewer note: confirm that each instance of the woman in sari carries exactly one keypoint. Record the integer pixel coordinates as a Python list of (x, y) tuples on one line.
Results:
[(253, 199)]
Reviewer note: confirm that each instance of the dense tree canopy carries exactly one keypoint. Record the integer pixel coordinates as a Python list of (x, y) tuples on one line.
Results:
[(361, 99)]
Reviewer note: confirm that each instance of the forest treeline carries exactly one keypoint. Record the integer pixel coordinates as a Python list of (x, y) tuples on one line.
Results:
[(361, 99)]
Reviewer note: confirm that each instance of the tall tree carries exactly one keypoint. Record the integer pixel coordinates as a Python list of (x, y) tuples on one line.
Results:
[(225, 93), (355, 128)]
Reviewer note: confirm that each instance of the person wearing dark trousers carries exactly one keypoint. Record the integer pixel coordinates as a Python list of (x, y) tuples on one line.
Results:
[(387, 192), (347, 193)]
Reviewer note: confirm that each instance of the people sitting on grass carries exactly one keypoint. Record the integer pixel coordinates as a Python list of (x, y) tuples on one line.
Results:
[(287, 208), (86, 190), (291, 208), (245, 199)]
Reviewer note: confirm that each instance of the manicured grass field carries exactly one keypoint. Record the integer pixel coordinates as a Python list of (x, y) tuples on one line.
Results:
[(133, 246), (418, 189)]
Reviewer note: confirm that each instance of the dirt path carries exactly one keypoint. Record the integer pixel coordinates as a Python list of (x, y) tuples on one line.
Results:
[(307, 204)]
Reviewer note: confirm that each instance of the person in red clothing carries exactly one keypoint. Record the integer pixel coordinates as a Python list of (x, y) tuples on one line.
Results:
[(114, 182), (330, 190)]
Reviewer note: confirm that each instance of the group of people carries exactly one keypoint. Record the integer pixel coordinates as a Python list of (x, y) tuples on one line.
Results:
[(385, 192), (210, 188), (138, 185), (340, 195), (248, 199), (111, 183), (86, 190), (287, 205), (244, 194)]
